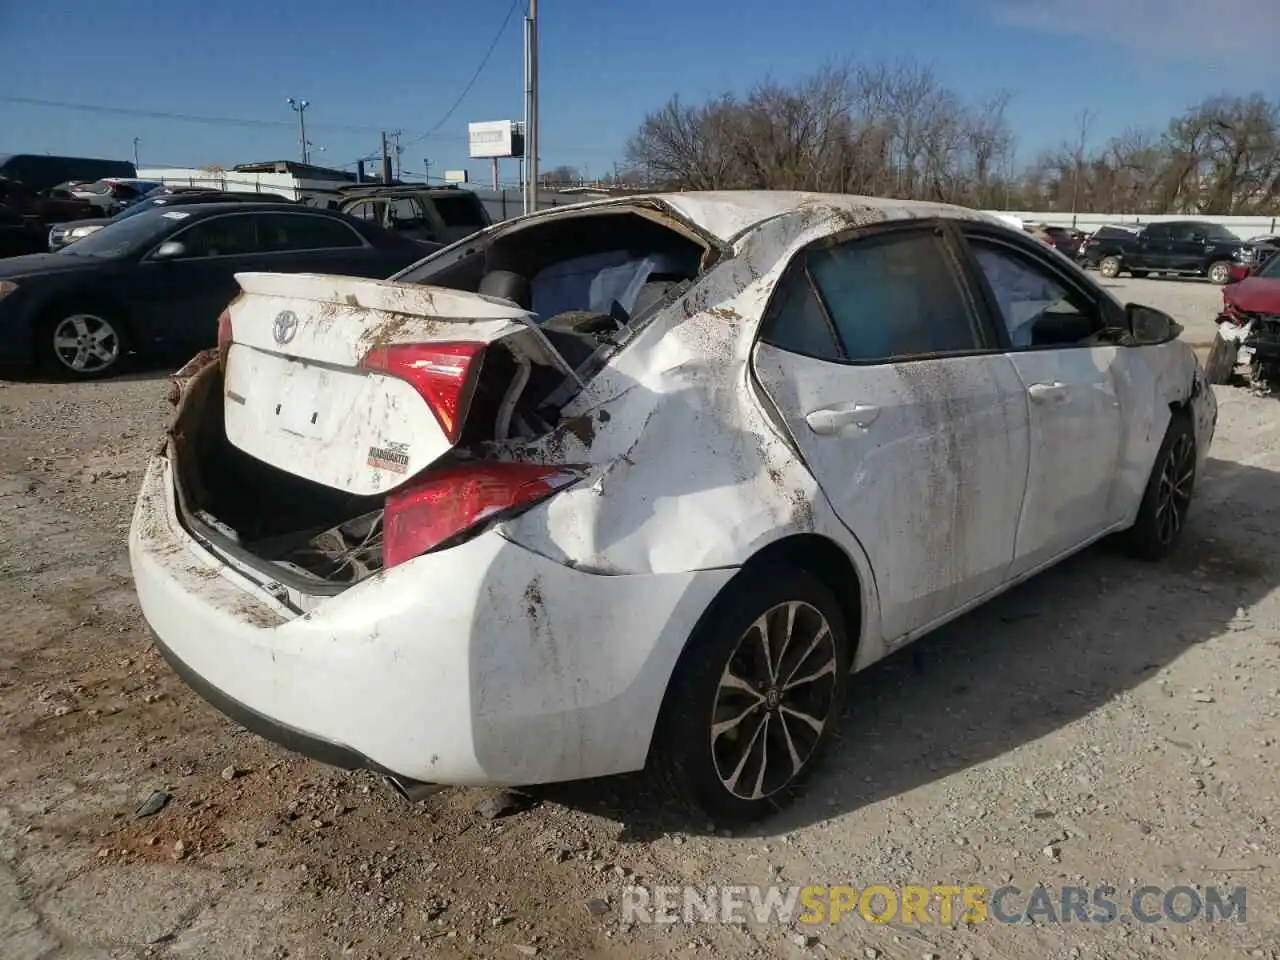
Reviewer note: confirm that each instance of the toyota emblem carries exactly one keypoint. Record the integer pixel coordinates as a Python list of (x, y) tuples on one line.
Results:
[(285, 327)]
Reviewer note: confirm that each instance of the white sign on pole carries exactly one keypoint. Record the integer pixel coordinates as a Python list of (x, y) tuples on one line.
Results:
[(492, 138), (456, 176)]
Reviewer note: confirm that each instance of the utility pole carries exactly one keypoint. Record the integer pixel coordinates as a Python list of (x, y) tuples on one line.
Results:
[(426, 166), (300, 107), (386, 160), (531, 108), (397, 151), (135, 153)]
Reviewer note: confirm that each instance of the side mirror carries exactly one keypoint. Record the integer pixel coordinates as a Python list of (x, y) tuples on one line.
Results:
[(1198, 238), (169, 250), (1148, 326)]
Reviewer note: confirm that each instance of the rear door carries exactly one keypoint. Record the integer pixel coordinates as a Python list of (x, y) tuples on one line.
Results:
[(1049, 321), (1155, 248), (911, 419)]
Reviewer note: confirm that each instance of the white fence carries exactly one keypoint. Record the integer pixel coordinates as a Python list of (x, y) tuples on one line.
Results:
[(1243, 227), (501, 204)]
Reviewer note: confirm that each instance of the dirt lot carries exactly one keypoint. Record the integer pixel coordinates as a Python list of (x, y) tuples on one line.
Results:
[(1108, 723)]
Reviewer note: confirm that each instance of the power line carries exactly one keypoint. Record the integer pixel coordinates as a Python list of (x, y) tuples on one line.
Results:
[(484, 62), (187, 117)]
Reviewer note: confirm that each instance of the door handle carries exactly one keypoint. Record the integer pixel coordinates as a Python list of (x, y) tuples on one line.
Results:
[(834, 419), (1048, 392)]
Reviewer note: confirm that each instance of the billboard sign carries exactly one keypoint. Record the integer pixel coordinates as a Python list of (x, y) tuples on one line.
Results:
[(494, 139)]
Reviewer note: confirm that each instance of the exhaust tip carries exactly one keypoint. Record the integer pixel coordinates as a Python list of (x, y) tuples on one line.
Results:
[(411, 791)]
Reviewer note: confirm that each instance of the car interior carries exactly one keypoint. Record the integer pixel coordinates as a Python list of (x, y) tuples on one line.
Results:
[(586, 280)]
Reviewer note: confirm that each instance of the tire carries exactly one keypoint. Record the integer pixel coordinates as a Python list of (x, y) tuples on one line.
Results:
[(81, 342), (1137, 274), (1110, 267), (708, 770), (1219, 273), (1162, 514), (1221, 362)]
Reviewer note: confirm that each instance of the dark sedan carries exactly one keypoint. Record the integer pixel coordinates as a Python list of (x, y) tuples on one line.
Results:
[(157, 281), (62, 234)]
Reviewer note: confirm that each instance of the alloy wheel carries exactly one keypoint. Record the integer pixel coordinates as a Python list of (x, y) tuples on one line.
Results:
[(1219, 273), (774, 700), (85, 343), (1173, 495)]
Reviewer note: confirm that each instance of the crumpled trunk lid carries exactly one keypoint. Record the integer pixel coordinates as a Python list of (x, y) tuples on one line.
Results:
[(299, 396)]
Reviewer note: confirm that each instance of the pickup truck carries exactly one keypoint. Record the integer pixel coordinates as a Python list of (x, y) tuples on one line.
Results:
[(1187, 248)]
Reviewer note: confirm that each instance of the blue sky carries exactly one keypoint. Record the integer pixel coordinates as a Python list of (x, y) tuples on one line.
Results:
[(381, 64)]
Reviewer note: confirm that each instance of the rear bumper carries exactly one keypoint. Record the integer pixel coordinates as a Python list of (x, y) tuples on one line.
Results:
[(485, 663)]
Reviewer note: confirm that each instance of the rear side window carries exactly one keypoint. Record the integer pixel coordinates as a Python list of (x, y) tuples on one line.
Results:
[(894, 295), (460, 211), (405, 213), (302, 231), (794, 320), (365, 210)]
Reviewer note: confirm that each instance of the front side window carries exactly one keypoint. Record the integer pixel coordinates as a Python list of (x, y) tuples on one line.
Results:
[(894, 295), (227, 236), (1037, 309)]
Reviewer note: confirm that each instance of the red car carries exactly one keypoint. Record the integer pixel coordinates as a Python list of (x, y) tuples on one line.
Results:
[(1248, 326)]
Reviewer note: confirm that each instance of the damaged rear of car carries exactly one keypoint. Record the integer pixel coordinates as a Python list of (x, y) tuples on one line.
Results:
[(320, 547), (1249, 330), (639, 483)]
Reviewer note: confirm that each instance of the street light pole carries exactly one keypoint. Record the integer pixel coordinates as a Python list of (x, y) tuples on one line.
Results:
[(300, 108), (135, 153)]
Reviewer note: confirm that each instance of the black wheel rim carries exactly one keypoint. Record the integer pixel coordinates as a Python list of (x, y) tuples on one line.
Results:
[(1173, 496), (774, 700)]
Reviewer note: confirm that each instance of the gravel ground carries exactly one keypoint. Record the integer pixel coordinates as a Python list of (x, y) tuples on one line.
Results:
[(1109, 722)]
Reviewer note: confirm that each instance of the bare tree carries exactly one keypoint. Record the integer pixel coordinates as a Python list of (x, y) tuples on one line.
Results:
[(893, 129)]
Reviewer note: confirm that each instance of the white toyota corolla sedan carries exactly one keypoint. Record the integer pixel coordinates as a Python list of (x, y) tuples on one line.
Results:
[(640, 482)]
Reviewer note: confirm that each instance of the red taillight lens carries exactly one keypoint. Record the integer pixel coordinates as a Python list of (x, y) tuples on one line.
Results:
[(442, 504), (445, 374), (224, 331)]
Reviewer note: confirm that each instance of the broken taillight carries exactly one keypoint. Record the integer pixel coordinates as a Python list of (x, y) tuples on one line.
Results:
[(444, 374), (442, 505)]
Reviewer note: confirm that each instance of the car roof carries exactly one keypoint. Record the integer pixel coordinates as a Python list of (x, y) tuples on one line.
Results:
[(727, 214), (203, 210)]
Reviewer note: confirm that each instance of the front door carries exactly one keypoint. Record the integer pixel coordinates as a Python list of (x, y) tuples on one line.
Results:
[(1077, 424), (921, 449), (179, 298)]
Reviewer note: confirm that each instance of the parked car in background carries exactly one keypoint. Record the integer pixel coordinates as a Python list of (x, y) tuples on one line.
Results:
[(62, 234), (28, 213), (432, 214), (1249, 327), (157, 281), (1062, 239), (113, 194), (42, 171), (1187, 248), (396, 526)]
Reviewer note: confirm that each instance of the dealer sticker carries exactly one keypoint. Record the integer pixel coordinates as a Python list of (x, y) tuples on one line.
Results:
[(391, 456)]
